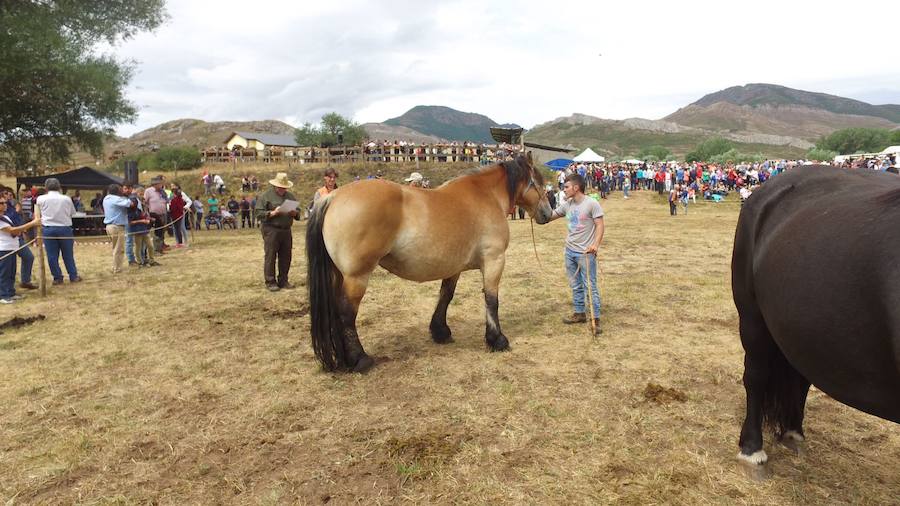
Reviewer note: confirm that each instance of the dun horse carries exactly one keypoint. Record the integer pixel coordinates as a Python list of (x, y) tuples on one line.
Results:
[(816, 282), (416, 234)]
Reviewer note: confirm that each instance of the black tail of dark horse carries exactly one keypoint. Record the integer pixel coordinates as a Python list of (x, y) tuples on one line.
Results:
[(323, 282), (784, 395)]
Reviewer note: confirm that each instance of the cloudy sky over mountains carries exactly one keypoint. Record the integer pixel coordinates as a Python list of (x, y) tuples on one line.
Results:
[(515, 61)]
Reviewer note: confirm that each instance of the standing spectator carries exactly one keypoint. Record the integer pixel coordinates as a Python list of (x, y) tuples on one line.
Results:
[(128, 191), (330, 178), (56, 221), (176, 211), (157, 202), (139, 222), (97, 204), (254, 183), (76, 201), (245, 184), (276, 231), (18, 219), (198, 212), (186, 225), (245, 212), (219, 184), (673, 201), (585, 223), (115, 210), (9, 243), (207, 183)]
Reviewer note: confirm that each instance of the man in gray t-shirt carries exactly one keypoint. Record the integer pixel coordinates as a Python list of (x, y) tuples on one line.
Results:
[(584, 218)]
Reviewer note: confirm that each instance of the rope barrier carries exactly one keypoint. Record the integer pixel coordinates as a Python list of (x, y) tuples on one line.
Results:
[(20, 248)]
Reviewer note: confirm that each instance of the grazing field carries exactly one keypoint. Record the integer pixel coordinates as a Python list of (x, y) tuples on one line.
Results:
[(190, 383)]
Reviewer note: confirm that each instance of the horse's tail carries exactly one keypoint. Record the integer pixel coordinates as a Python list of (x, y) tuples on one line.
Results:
[(323, 282), (784, 395)]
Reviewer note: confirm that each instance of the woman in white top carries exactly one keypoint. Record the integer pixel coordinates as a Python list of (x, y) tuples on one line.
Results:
[(9, 243)]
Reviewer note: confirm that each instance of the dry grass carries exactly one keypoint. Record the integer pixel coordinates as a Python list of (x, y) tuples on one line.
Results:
[(190, 383)]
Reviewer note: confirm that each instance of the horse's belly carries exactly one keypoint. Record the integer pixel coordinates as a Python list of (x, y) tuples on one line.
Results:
[(423, 267)]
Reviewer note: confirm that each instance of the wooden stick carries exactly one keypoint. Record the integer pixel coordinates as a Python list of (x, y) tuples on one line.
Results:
[(590, 295), (40, 246)]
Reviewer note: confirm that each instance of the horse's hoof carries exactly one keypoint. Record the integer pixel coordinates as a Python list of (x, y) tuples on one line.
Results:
[(441, 335), (793, 441), (499, 343), (754, 465), (363, 365)]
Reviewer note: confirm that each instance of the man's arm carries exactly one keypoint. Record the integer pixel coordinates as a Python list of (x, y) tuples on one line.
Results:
[(598, 235)]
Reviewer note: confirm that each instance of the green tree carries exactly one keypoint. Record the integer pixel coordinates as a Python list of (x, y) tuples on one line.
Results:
[(308, 135), (657, 152), (178, 157), (338, 128), (856, 140), (708, 149), (57, 89), (821, 154)]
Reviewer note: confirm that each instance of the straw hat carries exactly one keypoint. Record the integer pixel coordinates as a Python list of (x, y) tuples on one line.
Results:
[(281, 180), (415, 176)]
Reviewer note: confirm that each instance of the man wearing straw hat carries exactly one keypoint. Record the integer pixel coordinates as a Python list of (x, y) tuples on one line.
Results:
[(585, 222), (276, 230)]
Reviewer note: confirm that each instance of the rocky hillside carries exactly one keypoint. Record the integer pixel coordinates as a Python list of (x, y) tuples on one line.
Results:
[(447, 123), (383, 132), (776, 110), (626, 138)]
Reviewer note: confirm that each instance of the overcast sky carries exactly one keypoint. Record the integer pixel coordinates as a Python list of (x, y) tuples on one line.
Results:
[(522, 62)]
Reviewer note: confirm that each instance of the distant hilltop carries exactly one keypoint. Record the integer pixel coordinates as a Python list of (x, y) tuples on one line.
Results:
[(764, 118)]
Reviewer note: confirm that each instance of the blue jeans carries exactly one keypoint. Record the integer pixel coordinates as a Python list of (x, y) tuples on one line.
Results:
[(129, 245), (56, 246), (27, 260), (7, 275), (577, 280)]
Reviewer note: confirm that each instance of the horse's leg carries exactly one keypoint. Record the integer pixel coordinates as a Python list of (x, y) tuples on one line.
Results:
[(440, 332), (792, 435), (491, 271), (758, 351), (352, 290)]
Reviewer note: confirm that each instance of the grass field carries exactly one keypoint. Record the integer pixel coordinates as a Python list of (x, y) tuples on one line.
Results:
[(191, 384)]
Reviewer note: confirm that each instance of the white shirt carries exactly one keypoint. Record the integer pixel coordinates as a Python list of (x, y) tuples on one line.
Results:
[(56, 209), (7, 241)]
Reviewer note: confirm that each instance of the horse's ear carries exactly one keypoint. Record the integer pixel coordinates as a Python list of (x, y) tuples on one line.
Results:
[(528, 157)]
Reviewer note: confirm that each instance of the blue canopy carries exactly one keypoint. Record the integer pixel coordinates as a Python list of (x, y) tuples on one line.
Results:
[(559, 163)]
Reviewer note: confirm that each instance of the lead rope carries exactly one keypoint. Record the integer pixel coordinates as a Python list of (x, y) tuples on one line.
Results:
[(534, 245)]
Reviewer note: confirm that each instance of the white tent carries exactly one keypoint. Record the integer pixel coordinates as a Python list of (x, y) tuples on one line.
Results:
[(589, 156), (891, 150), (633, 161)]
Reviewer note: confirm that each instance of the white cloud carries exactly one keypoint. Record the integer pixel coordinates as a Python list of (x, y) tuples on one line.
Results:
[(524, 62)]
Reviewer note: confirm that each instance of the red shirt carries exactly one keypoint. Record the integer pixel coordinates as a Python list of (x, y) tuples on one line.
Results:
[(176, 207)]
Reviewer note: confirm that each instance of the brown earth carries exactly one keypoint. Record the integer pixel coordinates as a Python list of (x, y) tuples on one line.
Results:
[(190, 383)]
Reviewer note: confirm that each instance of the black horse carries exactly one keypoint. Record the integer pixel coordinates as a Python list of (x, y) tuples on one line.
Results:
[(816, 281)]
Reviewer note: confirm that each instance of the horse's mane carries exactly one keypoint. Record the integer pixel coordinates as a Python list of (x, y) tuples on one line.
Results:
[(517, 172)]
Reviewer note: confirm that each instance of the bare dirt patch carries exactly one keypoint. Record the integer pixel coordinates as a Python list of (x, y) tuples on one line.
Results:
[(192, 384)]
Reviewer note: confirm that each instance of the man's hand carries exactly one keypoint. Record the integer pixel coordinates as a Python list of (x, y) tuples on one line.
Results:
[(293, 214), (591, 250), (275, 212)]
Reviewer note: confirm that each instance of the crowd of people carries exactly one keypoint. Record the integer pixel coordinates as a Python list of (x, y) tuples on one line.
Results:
[(682, 183)]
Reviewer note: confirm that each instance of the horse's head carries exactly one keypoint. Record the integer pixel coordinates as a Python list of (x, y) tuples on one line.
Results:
[(529, 190)]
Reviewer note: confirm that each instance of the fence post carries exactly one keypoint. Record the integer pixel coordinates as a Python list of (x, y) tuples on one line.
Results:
[(40, 245)]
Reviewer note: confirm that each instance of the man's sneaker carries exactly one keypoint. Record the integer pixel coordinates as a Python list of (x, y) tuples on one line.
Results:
[(273, 288), (597, 330), (286, 286), (28, 286), (17, 296), (132, 263), (57, 281), (76, 280), (575, 318), (152, 263), (7, 301)]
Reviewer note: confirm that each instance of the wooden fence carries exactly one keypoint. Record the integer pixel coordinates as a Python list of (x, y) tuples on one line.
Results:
[(357, 154)]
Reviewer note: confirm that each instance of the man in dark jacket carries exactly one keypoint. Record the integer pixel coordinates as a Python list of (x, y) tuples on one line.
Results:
[(276, 230)]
